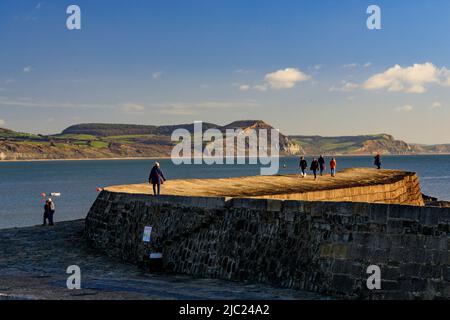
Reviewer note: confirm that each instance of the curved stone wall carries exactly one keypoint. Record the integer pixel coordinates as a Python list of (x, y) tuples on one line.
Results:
[(404, 191), (318, 246), (355, 185)]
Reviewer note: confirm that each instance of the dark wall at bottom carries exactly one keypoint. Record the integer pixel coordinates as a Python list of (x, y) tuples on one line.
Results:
[(317, 246)]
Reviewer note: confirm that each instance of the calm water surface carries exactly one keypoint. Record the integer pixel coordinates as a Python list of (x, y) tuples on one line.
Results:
[(21, 183)]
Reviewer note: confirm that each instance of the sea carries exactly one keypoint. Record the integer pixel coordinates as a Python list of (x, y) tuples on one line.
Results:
[(23, 183)]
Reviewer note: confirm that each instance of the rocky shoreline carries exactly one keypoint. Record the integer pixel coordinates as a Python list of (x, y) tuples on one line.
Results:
[(33, 264)]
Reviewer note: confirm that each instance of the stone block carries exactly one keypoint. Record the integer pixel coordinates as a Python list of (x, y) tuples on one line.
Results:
[(342, 284), (340, 251), (395, 227), (379, 213), (409, 213), (429, 216), (326, 250), (387, 285), (291, 206), (275, 206)]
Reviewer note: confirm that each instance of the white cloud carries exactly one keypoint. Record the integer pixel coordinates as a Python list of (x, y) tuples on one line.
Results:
[(184, 108), (9, 81), (345, 87), (436, 105), (242, 71), (2, 122), (27, 69), (132, 108), (405, 108), (157, 75), (244, 87), (27, 103), (445, 77), (367, 64), (38, 6), (413, 79), (278, 80), (285, 79), (350, 65), (260, 87)]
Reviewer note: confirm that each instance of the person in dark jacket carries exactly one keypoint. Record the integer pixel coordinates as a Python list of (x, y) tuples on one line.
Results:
[(314, 167), (377, 161), (322, 166), (49, 211), (303, 166), (156, 178)]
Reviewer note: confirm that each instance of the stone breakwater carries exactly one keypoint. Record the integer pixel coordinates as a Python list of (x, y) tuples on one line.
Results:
[(323, 247), (355, 185)]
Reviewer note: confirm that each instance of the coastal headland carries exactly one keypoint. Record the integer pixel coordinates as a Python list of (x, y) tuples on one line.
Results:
[(128, 141)]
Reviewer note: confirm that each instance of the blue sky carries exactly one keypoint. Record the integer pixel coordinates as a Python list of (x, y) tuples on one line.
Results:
[(307, 67)]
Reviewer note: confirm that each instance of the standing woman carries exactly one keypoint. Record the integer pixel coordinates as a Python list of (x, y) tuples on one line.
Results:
[(314, 167), (156, 178), (377, 161), (49, 211), (322, 165), (46, 211), (303, 166)]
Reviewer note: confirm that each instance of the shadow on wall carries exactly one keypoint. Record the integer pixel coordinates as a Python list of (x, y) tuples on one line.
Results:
[(315, 246)]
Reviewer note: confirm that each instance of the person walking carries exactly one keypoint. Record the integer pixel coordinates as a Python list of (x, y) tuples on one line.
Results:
[(303, 166), (333, 167), (377, 161), (322, 166), (46, 210), (314, 167), (49, 211), (156, 178)]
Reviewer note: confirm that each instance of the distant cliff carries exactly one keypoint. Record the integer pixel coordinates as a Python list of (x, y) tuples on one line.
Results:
[(358, 145), (100, 140)]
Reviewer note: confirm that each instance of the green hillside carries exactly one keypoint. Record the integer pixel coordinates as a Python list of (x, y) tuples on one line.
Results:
[(96, 140)]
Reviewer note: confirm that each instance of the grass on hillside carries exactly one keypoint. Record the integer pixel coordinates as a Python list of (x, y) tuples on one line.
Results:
[(99, 144), (86, 137)]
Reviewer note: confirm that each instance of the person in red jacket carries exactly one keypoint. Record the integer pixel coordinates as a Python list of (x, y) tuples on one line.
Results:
[(333, 167)]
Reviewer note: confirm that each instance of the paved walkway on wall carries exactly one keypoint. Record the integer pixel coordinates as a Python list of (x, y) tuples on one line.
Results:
[(269, 185), (33, 263)]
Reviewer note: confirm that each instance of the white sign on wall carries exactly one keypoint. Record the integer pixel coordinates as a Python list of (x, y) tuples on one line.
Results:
[(147, 234)]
